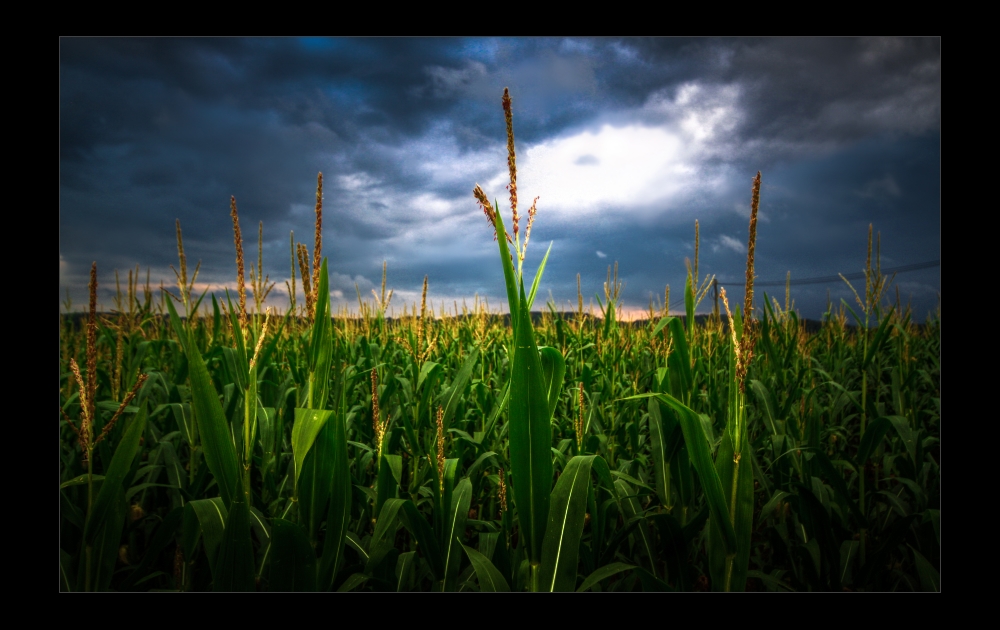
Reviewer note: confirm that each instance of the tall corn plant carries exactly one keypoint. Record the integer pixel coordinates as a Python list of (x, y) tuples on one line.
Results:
[(728, 480), (551, 520)]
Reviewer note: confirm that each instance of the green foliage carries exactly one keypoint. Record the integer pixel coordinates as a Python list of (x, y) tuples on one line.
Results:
[(223, 476)]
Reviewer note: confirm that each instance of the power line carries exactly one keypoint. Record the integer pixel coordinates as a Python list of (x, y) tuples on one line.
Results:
[(825, 279), (850, 276)]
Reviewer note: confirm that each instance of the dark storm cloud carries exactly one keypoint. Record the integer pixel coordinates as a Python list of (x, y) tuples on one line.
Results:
[(845, 130)]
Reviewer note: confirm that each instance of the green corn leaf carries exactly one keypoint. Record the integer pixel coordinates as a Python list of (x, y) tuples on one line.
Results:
[(250, 405), (701, 458), (384, 535), (79, 481), (553, 371), (105, 505), (322, 345), (443, 503), (538, 277), (338, 516), (502, 401), (352, 582), (427, 542), (197, 303), (662, 324), (216, 440), (880, 337), (490, 580), (185, 423), (352, 541), (404, 570), (732, 577), (631, 480), (308, 424), (105, 541), (216, 319), (658, 451), (859, 320), (454, 528), (234, 567), (509, 275), (530, 437), (314, 479), (631, 510), (561, 546), (292, 564), (454, 394), (603, 472), (428, 371), (387, 480), (679, 361), (874, 433), (906, 434), (765, 399), (773, 502), (488, 455), (604, 573), (836, 481), (205, 520)]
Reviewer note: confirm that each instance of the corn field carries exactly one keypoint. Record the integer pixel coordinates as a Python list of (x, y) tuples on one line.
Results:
[(211, 444)]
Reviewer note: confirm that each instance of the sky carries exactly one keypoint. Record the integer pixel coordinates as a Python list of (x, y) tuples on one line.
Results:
[(626, 142)]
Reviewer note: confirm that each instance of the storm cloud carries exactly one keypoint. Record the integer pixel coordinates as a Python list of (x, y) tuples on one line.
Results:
[(626, 142)]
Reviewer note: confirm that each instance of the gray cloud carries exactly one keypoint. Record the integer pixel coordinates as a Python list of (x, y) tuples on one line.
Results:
[(845, 130)]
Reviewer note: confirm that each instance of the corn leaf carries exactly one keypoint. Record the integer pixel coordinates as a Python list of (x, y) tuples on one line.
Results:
[(106, 540), (631, 510), (234, 567), (604, 573), (561, 546), (538, 277), (454, 528), (339, 514), (490, 580), (553, 372), (308, 424), (106, 504), (701, 458), (454, 394), (216, 440), (427, 542), (384, 535), (530, 437)]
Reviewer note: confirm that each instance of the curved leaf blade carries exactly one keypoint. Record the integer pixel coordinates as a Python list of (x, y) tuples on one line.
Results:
[(530, 436), (604, 573), (454, 526), (490, 579), (217, 442), (553, 371), (561, 546)]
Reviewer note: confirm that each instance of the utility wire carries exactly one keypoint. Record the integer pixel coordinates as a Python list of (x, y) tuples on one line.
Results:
[(850, 276), (824, 279)]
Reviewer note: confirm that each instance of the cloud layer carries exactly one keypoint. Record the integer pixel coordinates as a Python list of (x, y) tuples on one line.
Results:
[(625, 142)]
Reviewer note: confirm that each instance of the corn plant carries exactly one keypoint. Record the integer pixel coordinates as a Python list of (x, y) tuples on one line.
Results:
[(208, 444)]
